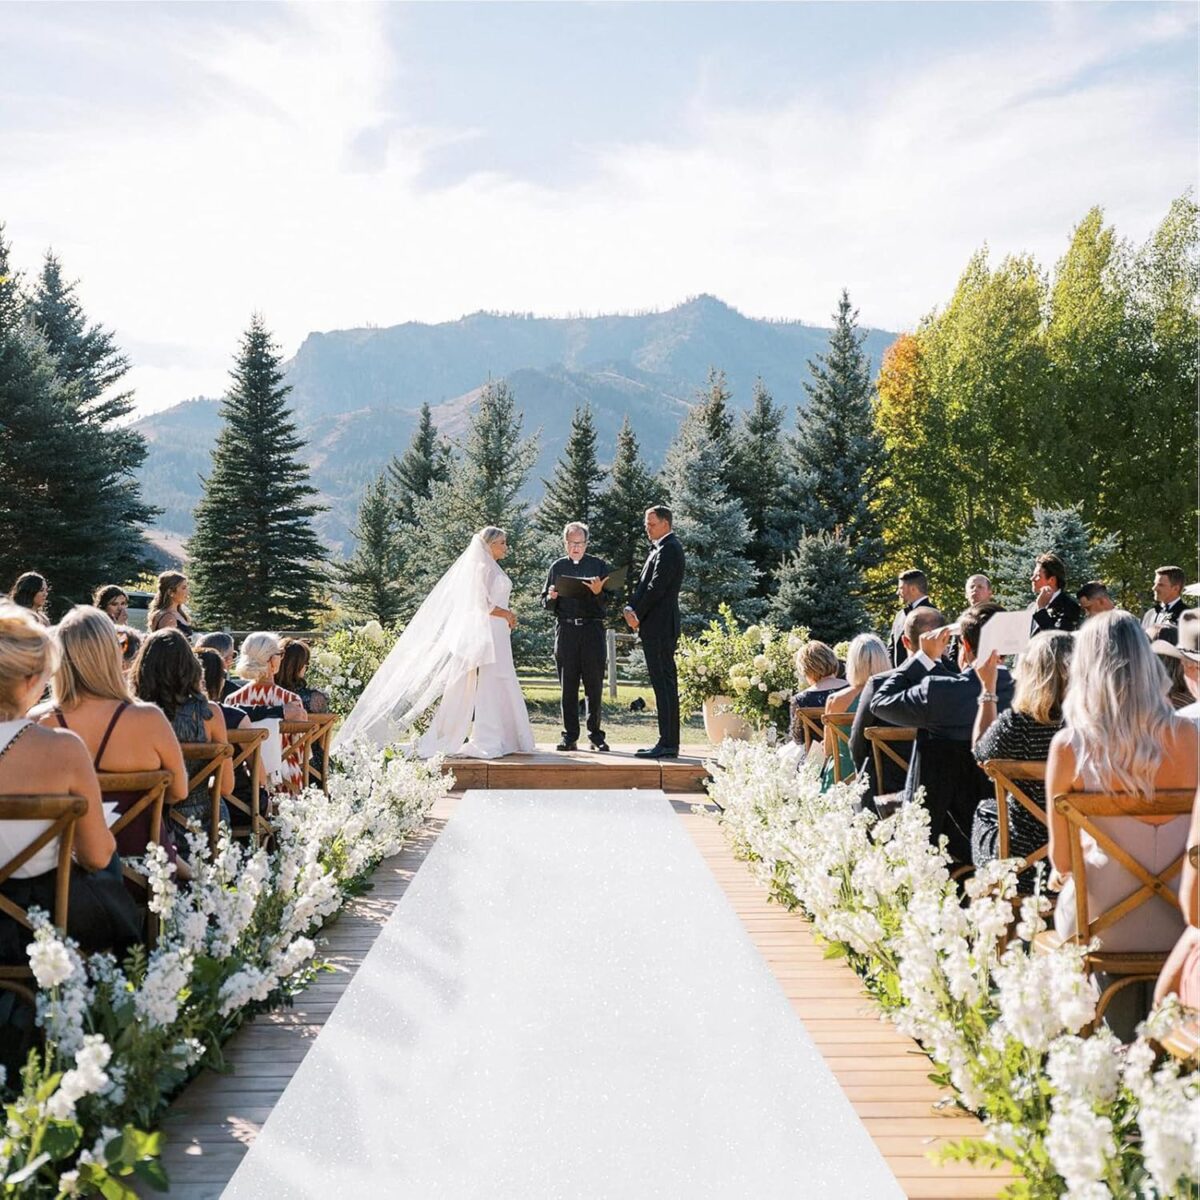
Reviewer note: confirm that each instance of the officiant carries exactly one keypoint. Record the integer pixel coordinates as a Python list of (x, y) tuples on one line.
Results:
[(579, 644)]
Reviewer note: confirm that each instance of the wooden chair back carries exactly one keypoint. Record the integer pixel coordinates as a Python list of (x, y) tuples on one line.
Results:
[(61, 813), (811, 724), (882, 738), (247, 751), (1081, 810), (1007, 775), (318, 772), (204, 761), (840, 724), (152, 788), (300, 737)]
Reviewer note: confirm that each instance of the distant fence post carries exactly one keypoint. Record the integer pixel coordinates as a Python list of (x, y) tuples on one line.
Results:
[(610, 637)]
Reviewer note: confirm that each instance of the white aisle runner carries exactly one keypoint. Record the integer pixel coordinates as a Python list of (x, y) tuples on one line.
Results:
[(564, 1004)]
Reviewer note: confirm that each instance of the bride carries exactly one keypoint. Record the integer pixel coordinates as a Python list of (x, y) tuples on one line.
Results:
[(457, 647)]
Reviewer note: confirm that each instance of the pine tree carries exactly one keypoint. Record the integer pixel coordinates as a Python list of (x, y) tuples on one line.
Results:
[(254, 556), (711, 525), (571, 493), (66, 505), (758, 479), (820, 586), (712, 407), (371, 576), (1061, 531), (424, 463), (836, 457), (87, 359), (618, 533)]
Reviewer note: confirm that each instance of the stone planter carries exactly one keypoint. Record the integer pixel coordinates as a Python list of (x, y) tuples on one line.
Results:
[(721, 723)]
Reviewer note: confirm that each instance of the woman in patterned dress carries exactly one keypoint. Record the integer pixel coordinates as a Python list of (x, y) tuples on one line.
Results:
[(260, 659)]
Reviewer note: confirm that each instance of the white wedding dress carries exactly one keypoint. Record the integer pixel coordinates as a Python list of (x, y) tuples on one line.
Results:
[(453, 651), (490, 693)]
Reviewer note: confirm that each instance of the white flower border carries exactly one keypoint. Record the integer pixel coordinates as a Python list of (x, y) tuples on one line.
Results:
[(121, 1037), (1081, 1117)]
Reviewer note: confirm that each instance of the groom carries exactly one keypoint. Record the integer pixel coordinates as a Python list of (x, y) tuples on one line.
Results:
[(653, 613)]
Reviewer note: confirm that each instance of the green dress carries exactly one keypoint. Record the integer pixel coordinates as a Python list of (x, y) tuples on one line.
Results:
[(843, 753)]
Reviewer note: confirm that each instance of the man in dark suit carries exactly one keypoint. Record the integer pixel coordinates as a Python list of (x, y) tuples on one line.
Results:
[(1162, 621), (920, 620), (942, 706), (1094, 599), (653, 613), (911, 589), (1054, 606)]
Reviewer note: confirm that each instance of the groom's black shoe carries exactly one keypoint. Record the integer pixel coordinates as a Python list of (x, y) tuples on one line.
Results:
[(647, 752), (664, 752), (565, 745), (600, 745)]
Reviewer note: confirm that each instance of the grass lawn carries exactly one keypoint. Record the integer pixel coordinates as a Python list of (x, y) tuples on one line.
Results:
[(620, 725)]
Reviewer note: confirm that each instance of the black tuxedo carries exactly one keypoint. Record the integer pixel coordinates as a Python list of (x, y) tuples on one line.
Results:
[(1162, 621), (1063, 612), (941, 705), (896, 648), (655, 602), (862, 753)]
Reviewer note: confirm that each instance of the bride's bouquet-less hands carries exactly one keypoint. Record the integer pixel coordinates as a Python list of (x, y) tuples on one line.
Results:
[(342, 665)]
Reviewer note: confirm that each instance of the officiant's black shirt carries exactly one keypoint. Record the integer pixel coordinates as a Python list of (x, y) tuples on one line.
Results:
[(588, 567)]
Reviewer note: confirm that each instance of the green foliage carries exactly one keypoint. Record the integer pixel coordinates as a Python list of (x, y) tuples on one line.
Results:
[(1061, 531), (371, 576), (571, 494), (70, 506), (618, 533), (710, 524), (344, 663), (255, 557), (820, 587), (425, 462), (758, 481)]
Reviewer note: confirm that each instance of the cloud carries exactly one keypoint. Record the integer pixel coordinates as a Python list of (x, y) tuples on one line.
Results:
[(271, 167)]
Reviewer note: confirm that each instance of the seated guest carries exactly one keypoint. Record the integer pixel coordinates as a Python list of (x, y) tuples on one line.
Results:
[(911, 589), (92, 699), (130, 640), (31, 591), (1054, 606), (941, 706), (53, 762), (1121, 735), (1181, 973), (223, 644), (1180, 695), (1182, 654), (166, 609), (1024, 732), (1094, 598), (1162, 621), (920, 620), (261, 656), (867, 656), (212, 668), (818, 668), (293, 675), (113, 603), (167, 673)]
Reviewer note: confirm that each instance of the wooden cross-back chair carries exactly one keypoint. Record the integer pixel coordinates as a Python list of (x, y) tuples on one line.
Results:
[(318, 772), (1081, 810), (61, 813), (1007, 774), (247, 751), (152, 788), (841, 724), (882, 739), (811, 725), (302, 736), (204, 761)]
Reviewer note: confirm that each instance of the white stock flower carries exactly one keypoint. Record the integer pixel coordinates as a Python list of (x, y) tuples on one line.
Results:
[(50, 962), (157, 1000), (1080, 1144)]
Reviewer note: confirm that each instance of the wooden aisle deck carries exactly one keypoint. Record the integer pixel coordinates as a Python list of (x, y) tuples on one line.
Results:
[(210, 1126)]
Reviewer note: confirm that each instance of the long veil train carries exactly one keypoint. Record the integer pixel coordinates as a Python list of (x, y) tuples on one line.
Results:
[(449, 635)]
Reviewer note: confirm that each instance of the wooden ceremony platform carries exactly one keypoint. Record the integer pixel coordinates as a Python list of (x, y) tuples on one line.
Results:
[(884, 1075), (618, 768)]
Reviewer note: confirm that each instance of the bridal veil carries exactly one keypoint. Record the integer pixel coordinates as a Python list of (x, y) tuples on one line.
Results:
[(449, 635)]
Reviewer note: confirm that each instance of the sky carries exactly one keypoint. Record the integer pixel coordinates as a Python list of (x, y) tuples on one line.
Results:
[(341, 165)]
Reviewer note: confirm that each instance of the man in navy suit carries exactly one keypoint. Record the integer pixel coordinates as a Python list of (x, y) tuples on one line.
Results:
[(941, 706), (653, 613)]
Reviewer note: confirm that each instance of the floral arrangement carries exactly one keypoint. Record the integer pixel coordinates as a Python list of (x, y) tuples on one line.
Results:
[(754, 667), (1081, 1117), (120, 1039), (343, 664)]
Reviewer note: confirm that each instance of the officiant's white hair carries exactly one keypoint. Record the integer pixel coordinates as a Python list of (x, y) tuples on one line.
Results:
[(491, 533), (575, 527)]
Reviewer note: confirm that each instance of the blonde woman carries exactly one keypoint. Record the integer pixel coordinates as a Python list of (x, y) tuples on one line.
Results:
[(260, 659), (91, 698), (167, 608), (53, 762), (1121, 735), (866, 656)]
